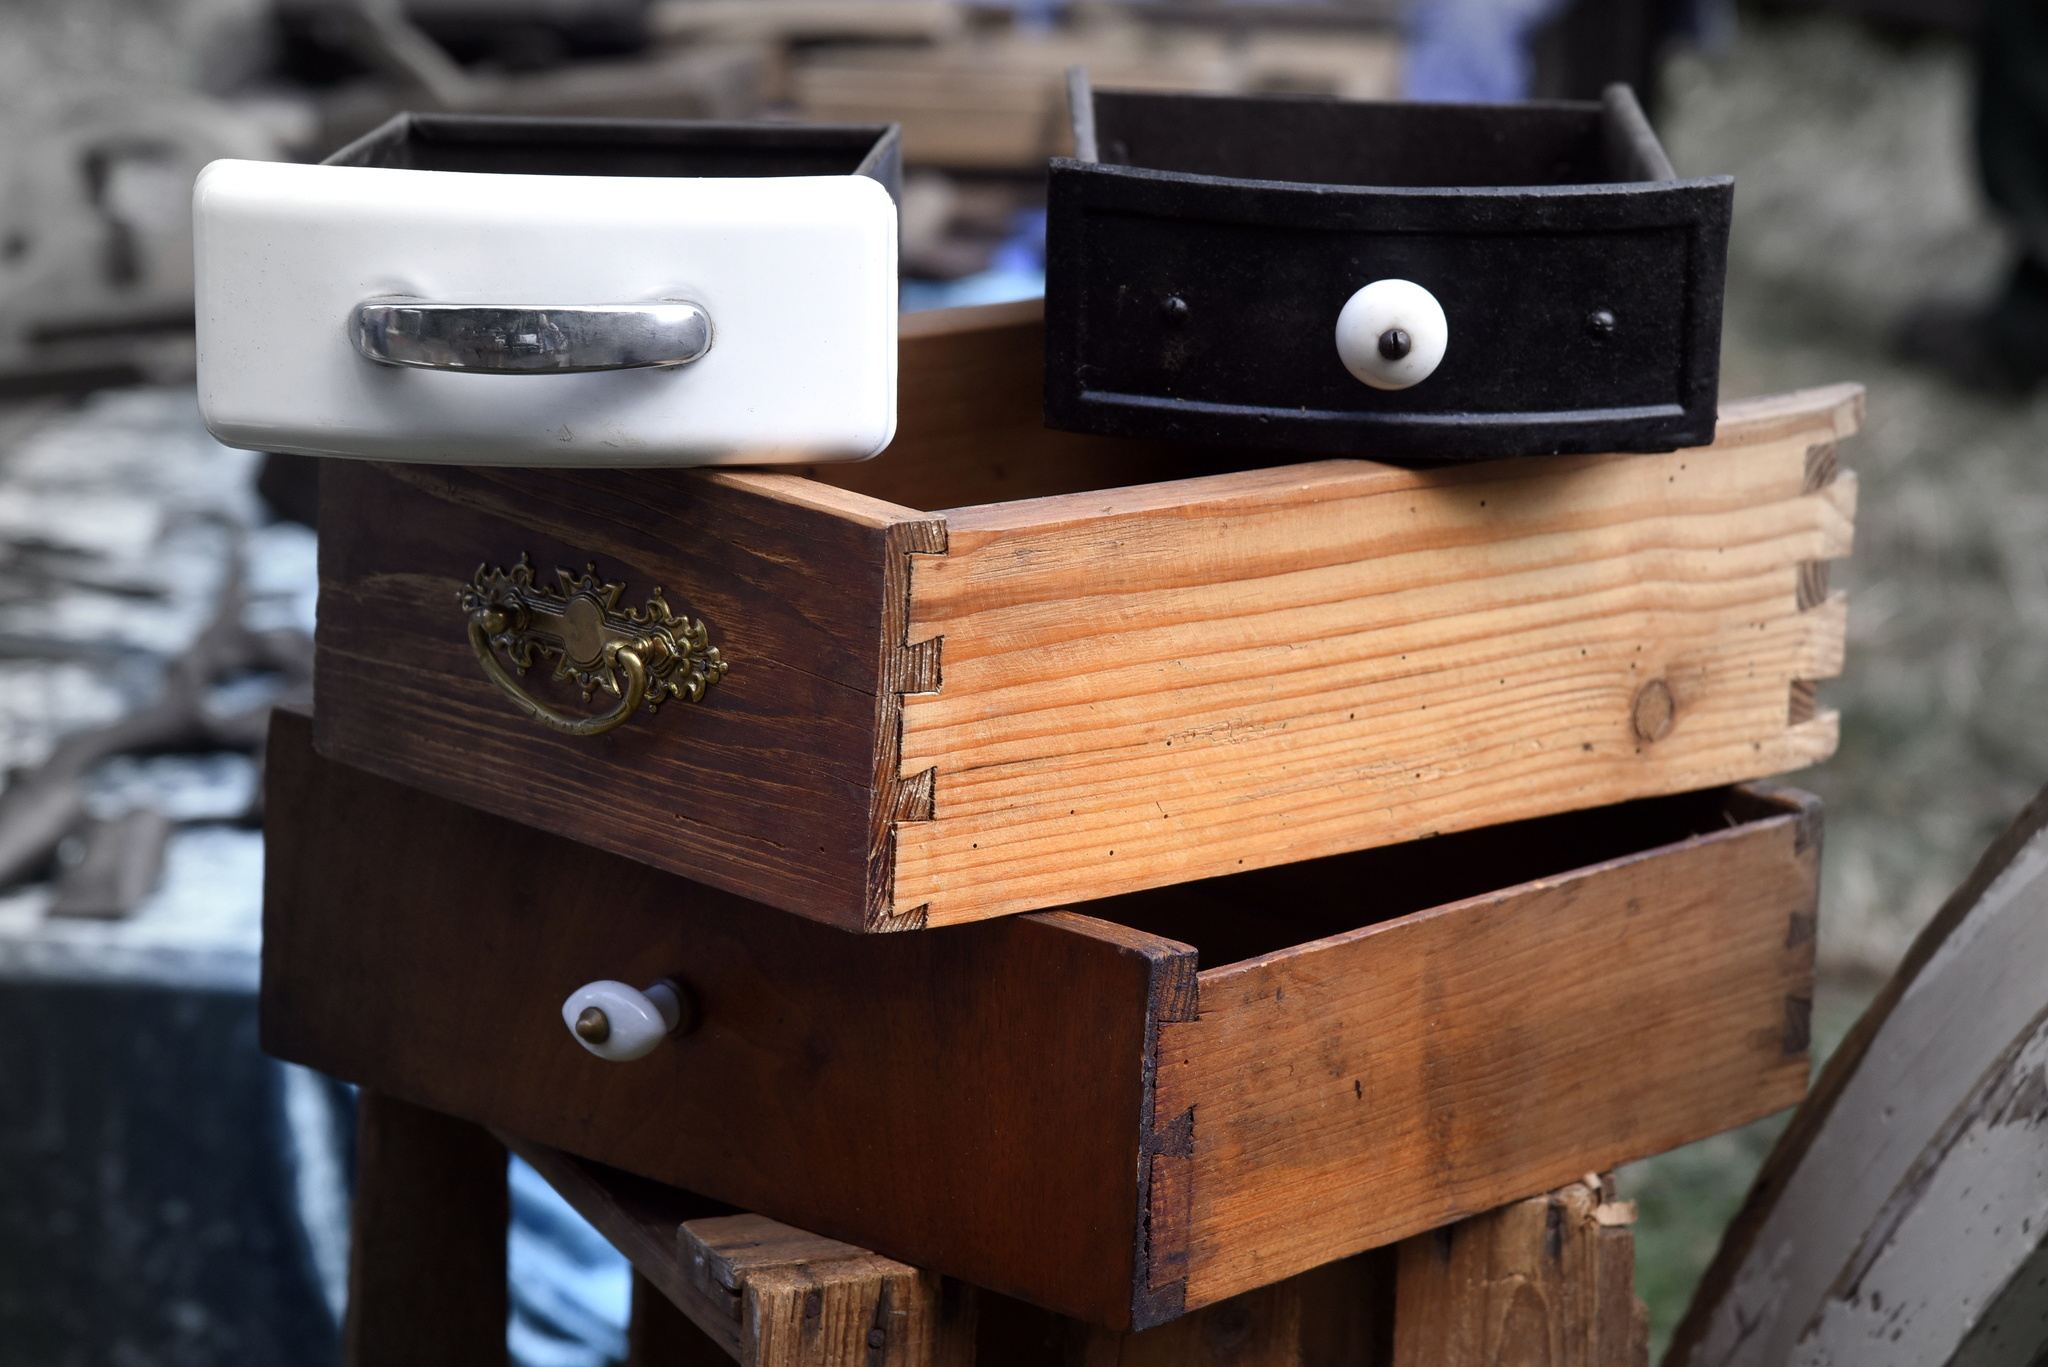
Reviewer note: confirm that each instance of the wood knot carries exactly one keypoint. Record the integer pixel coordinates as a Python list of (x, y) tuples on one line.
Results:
[(1654, 710)]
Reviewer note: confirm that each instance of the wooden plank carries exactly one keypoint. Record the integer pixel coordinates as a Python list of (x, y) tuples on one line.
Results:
[(426, 1272), (1172, 681), (771, 786), (798, 1300), (641, 1219), (761, 1292), (1969, 990), (1354, 1091), (954, 1111), (1548, 1280)]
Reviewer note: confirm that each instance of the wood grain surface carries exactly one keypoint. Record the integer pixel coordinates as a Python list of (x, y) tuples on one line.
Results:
[(770, 787), (973, 1102), (1905, 1197), (797, 1299), (765, 1293), (1106, 665), (1354, 1091), (1058, 1106), (1547, 1282), (1151, 684), (426, 1258), (1542, 1281)]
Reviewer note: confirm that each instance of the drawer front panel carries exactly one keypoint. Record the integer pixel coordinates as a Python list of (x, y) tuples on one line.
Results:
[(1516, 305), (1193, 308), (778, 783), (972, 1101), (797, 276)]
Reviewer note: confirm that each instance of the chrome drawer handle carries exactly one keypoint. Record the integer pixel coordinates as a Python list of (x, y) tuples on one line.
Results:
[(496, 339), (648, 654), (622, 1023)]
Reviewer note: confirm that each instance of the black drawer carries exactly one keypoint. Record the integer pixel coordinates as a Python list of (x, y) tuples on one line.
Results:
[(1201, 250)]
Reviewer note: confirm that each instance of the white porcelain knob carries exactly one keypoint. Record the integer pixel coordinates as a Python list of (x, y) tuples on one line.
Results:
[(622, 1023), (1392, 334)]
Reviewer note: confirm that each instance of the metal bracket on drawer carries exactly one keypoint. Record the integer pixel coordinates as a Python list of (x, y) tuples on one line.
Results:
[(637, 655)]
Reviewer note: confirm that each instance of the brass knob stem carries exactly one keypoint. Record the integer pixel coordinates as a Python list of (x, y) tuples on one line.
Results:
[(594, 1025)]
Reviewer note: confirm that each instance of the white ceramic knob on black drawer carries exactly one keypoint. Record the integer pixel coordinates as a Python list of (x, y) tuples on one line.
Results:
[(622, 1023), (1392, 334)]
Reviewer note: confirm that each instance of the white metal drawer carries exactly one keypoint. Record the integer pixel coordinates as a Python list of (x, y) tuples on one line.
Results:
[(793, 279)]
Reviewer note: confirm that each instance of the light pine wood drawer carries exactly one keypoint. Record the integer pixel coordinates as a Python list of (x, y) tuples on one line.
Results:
[(1100, 665), (1120, 1112)]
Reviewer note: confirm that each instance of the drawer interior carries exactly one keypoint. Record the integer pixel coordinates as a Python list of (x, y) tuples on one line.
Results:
[(616, 147), (977, 433), (1321, 141), (1229, 920)]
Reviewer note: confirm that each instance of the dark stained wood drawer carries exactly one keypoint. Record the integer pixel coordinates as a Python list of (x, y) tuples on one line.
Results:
[(1001, 668), (1119, 1114)]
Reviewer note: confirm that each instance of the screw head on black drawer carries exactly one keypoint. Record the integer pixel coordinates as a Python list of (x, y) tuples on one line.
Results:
[(1173, 310), (1600, 322)]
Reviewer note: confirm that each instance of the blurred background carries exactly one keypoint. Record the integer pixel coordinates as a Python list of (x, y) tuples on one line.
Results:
[(169, 1196)]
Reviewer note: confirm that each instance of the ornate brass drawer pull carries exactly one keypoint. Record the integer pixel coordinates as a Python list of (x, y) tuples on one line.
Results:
[(638, 655)]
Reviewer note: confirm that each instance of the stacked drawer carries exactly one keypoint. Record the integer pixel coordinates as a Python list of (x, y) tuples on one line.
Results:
[(1098, 680), (1275, 860)]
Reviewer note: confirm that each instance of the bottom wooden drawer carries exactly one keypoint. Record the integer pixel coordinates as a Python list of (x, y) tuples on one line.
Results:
[(1068, 1107)]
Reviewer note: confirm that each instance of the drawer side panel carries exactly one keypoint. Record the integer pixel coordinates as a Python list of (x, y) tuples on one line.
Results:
[(1355, 1091), (1178, 681)]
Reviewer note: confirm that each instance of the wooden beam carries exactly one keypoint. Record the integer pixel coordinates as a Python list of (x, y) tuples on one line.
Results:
[(766, 1294), (426, 1273), (637, 1217), (794, 1299), (1547, 1280)]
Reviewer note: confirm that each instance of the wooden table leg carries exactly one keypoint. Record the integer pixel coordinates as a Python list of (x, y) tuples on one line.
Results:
[(426, 1277), (1549, 1280)]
